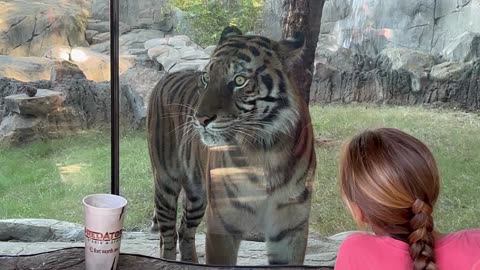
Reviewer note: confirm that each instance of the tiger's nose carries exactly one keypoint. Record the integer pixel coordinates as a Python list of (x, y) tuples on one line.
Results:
[(205, 120)]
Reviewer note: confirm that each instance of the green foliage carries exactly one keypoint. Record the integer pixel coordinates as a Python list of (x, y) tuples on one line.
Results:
[(209, 17)]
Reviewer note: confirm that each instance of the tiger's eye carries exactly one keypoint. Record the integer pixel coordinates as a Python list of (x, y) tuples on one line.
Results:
[(240, 80)]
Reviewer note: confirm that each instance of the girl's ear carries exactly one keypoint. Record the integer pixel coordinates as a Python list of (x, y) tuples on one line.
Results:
[(357, 213)]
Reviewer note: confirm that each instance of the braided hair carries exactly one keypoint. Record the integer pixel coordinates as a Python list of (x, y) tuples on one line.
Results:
[(421, 237), (393, 178)]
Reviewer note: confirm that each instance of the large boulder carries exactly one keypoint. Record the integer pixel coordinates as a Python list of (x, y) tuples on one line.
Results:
[(95, 65), (36, 68), (29, 28), (417, 63), (153, 14), (176, 53), (26, 68), (86, 101), (130, 41), (17, 129), (369, 26), (452, 19), (44, 102), (449, 71), (464, 48), (99, 31), (137, 84)]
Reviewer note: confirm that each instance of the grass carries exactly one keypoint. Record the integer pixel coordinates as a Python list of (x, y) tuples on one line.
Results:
[(49, 179)]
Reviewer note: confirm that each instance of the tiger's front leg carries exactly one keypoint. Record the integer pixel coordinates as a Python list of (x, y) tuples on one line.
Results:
[(194, 205), (166, 196), (286, 233)]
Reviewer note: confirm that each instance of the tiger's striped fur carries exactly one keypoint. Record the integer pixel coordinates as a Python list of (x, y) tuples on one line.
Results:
[(238, 136)]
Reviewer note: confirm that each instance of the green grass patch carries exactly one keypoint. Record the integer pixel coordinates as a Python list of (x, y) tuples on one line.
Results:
[(49, 179)]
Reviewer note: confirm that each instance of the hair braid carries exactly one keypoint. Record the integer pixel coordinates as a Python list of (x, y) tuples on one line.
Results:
[(421, 237)]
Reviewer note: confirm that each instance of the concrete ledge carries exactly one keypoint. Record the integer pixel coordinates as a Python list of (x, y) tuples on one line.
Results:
[(33, 236)]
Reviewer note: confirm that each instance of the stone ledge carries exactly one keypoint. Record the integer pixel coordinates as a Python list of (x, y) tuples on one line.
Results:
[(32, 236), (43, 103)]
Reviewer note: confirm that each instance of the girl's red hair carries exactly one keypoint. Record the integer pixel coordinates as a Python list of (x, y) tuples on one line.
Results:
[(393, 178)]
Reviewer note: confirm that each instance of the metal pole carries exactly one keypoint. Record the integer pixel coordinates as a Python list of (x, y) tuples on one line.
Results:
[(115, 92)]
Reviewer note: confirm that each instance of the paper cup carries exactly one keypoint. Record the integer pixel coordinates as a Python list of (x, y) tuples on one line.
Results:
[(103, 218)]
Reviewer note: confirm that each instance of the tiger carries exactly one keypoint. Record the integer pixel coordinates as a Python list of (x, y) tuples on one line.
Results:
[(237, 139)]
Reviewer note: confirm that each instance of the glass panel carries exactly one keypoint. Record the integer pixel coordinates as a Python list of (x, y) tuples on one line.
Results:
[(55, 118), (226, 135)]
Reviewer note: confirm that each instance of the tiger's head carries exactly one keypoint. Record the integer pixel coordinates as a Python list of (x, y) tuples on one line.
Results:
[(246, 96)]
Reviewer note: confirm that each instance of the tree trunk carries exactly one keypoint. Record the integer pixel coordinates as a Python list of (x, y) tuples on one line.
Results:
[(303, 16)]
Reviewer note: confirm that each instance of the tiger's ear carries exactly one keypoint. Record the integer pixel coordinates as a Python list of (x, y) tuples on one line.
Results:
[(229, 31), (291, 49)]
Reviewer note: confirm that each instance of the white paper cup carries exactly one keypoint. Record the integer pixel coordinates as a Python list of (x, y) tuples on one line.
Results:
[(103, 216)]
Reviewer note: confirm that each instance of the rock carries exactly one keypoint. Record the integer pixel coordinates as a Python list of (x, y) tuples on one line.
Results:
[(101, 48), (66, 70), (465, 48), (43, 103), (90, 100), (142, 60), (39, 230), (29, 28), (26, 68), (379, 81), (137, 51), (104, 27), (165, 56), (95, 65), (210, 49), (156, 42), (452, 19), (181, 21), (179, 41), (163, 52), (137, 85), (132, 40), (415, 62), (100, 38), (369, 26), (103, 31), (60, 52), (327, 46), (189, 53), (192, 64), (65, 121), (449, 71), (89, 34), (137, 13), (17, 129)]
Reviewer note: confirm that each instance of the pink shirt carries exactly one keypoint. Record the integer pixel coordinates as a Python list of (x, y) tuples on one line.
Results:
[(455, 251)]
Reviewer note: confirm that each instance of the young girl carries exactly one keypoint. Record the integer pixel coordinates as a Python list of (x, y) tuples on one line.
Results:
[(389, 181)]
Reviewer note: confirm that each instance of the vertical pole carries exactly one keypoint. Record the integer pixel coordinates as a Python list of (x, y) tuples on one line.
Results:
[(115, 92)]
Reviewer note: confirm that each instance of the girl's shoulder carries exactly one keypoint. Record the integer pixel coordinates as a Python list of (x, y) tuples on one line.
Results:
[(467, 237), (360, 241)]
